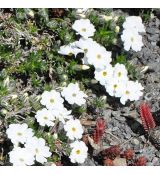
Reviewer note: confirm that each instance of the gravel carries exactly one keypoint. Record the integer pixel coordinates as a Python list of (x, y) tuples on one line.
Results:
[(124, 122)]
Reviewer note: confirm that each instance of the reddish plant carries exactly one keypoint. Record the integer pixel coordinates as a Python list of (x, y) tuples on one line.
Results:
[(112, 152), (128, 154), (141, 161), (99, 130), (108, 162), (146, 117)]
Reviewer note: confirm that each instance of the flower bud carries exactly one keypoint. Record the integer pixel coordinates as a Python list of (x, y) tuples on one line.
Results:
[(117, 29), (38, 97), (55, 136), (107, 18), (79, 67), (115, 18), (14, 96), (64, 84), (85, 67), (4, 111), (104, 97), (6, 81)]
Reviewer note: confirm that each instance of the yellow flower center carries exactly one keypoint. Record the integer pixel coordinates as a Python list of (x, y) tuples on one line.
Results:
[(85, 50), (19, 133), (70, 54), (104, 74), (36, 150), (78, 151), (98, 56), (115, 86), (73, 129), (22, 160), (127, 92), (132, 39), (119, 74), (83, 29), (74, 95), (51, 100), (45, 117)]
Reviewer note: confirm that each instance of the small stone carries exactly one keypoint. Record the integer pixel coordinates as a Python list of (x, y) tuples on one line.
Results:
[(135, 141), (119, 162), (155, 161), (157, 154), (128, 136), (115, 128), (152, 30), (154, 37), (121, 118)]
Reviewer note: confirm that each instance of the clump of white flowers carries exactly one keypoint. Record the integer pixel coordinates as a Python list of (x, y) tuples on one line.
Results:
[(33, 149), (132, 39), (56, 111), (29, 149), (114, 79)]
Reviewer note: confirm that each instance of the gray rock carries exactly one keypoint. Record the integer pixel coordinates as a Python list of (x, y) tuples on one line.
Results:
[(154, 37), (152, 30)]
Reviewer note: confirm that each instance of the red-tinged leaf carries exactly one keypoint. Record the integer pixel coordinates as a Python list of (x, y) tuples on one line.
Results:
[(99, 130), (108, 162), (146, 117), (141, 161), (128, 154), (111, 152)]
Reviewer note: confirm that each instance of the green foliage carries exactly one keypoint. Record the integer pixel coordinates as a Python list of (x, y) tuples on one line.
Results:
[(78, 110), (99, 102), (146, 15), (121, 59)]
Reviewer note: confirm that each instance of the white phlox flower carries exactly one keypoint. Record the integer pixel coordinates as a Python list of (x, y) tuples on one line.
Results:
[(19, 133), (132, 40), (114, 87), (69, 50), (37, 147), (86, 45), (79, 152), (21, 157), (134, 22), (51, 99), (104, 75), (45, 117), (74, 129), (132, 91), (73, 94), (120, 72), (98, 56), (62, 114), (84, 28)]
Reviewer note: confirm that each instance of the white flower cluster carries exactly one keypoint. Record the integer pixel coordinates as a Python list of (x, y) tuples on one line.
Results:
[(117, 84), (130, 36), (33, 149), (55, 110), (115, 79)]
